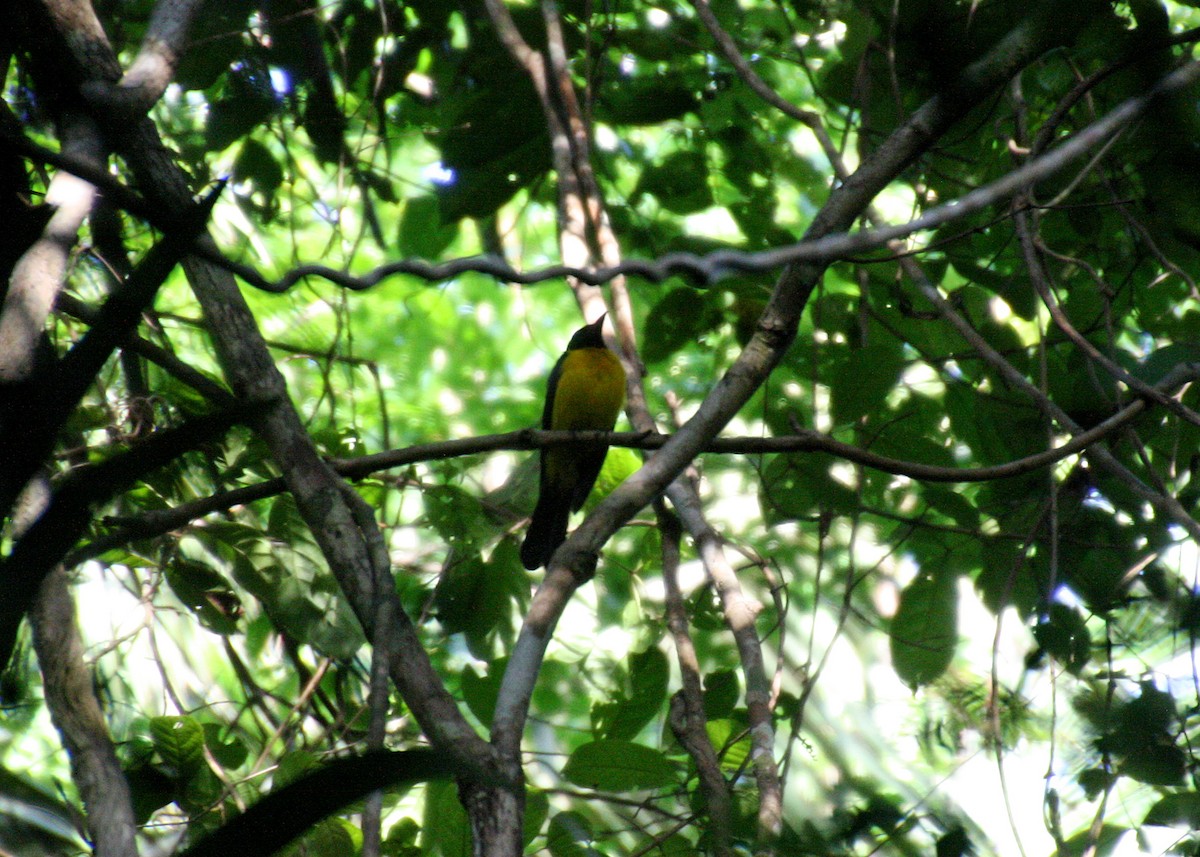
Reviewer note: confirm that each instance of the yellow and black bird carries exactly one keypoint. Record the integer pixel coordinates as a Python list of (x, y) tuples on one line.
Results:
[(586, 391)]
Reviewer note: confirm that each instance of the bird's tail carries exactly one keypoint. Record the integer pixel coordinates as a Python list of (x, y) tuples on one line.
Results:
[(547, 530)]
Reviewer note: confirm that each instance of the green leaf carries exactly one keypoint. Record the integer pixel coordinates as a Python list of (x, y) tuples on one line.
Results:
[(480, 692), (150, 790), (952, 504), (422, 232), (1087, 842), (646, 100), (179, 742), (256, 164), (609, 765), (570, 835), (458, 517), (474, 596), (249, 100), (679, 183), (648, 674), (329, 838), (537, 807), (924, 631), (206, 593), (1162, 764), (1176, 810), (401, 840), (1160, 362), (445, 829), (861, 381), (230, 753), (674, 322), (214, 43), (36, 822), (619, 464), (1144, 738), (721, 691), (800, 486), (730, 737), (1065, 636), (292, 766)]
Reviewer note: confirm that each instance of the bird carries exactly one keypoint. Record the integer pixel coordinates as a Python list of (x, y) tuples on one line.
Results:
[(586, 390)]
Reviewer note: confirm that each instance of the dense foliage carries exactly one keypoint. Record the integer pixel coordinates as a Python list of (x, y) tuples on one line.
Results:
[(914, 626)]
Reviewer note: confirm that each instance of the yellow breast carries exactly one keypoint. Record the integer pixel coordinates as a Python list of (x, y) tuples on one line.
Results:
[(590, 390)]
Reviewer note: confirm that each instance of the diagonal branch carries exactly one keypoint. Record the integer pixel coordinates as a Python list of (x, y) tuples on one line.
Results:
[(69, 29), (39, 275), (686, 714), (71, 698), (819, 247), (576, 559)]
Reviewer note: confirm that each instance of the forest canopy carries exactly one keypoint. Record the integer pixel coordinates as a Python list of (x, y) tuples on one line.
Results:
[(894, 549)]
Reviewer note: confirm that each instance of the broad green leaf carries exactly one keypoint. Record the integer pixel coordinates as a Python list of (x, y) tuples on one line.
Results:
[(537, 807), (458, 517), (150, 790), (570, 835), (480, 692), (401, 840), (179, 742), (952, 504), (677, 320), (609, 765), (1086, 842), (801, 486), (445, 829), (619, 464), (1156, 764), (206, 593), (292, 766), (1144, 738), (721, 692), (230, 752), (475, 597), (1181, 809), (860, 383), (1064, 635), (256, 164), (1159, 363), (730, 737), (213, 43), (679, 183), (329, 838), (201, 792), (647, 101), (1007, 579), (422, 232), (36, 819), (625, 718), (248, 101), (924, 631), (462, 591)]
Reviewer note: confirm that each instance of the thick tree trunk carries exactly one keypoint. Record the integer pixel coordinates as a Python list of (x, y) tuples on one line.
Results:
[(497, 816)]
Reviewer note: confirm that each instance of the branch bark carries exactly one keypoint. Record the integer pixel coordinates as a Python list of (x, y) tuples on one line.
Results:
[(71, 699), (69, 29), (39, 275), (775, 330)]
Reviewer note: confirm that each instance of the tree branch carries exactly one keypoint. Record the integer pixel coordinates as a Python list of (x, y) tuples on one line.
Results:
[(820, 248), (71, 699), (575, 560), (84, 53), (686, 714), (154, 67), (56, 531), (39, 275)]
